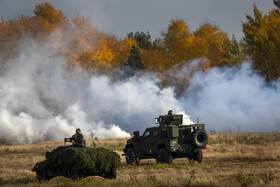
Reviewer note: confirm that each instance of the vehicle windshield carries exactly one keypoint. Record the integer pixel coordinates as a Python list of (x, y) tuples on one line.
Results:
[(146, 133)]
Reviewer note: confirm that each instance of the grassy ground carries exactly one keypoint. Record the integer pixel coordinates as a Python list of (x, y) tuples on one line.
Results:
[(231, 159)]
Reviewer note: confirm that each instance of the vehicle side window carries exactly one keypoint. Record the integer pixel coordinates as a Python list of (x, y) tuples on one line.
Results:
[(155, 133), (147, 133)]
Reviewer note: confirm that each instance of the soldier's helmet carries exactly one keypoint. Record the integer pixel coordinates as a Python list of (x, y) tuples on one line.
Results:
[(78, 131), (170, 112)]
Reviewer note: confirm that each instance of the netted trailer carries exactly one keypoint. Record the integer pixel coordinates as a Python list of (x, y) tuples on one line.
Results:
[(77, 162)]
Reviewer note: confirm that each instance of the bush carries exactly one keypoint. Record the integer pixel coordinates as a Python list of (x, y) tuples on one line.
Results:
[(244, 179)]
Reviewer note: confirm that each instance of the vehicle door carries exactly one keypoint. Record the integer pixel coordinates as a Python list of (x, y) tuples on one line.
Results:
[(155, 140), (147, 142)]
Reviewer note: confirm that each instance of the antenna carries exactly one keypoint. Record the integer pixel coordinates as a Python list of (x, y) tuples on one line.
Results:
[(197, 120)]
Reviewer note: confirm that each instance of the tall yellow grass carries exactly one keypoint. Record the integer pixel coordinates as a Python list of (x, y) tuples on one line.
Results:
[(231, 159)]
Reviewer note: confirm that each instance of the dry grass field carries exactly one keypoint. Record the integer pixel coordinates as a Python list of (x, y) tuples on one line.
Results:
[(231, 159)]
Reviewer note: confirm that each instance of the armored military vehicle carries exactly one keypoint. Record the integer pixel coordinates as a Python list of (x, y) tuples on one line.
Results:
[(78, 162), (167, 141)]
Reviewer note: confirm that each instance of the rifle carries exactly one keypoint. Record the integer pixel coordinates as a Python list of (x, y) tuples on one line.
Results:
[(68, 140)]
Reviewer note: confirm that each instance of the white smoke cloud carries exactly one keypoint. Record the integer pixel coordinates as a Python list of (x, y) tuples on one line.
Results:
[(41, 100), (234, 99)]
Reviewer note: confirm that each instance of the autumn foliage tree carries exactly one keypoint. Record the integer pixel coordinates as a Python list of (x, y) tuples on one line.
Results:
[(80, 41), (152, 53), (178, 40), (49, 14), (262, 39), (93, 51), (213, 44)]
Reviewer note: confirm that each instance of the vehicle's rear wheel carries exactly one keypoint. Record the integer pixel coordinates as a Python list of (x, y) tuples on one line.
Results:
[(130, 156), (113, 173), (75, 174), (164, 156), (197, 155), (199, 138)]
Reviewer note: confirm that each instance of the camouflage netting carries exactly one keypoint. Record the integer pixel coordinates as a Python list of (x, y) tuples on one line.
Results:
[(94, 160)]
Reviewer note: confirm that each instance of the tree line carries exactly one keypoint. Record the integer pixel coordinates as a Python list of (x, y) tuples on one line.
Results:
[(93, 51)]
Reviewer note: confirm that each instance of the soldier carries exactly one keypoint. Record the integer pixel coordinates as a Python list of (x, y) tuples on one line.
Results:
[(78, 139), (170, 112)]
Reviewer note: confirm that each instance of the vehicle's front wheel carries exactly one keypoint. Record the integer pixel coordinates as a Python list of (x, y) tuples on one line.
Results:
[(197, 155), (41, 175), (164, 156), (130, 156)]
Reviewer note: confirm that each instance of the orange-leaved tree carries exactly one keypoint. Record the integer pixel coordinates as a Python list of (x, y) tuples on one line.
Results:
[(212, 43), (261, 40), (178, 41)]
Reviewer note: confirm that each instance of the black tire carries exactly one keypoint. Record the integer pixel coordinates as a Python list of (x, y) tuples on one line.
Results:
[(130, 157), (113, 173), (164, 156), (197, 155), (75, 174), (199, 138), (41, 175)]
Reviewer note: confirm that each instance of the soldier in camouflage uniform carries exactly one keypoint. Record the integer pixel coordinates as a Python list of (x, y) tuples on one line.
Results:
[(170, 112), (78, 139)]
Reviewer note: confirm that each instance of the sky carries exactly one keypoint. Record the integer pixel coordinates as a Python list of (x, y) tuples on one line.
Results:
[(119, 17)]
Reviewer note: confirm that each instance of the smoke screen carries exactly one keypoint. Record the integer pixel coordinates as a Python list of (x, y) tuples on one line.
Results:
[(41, 99)]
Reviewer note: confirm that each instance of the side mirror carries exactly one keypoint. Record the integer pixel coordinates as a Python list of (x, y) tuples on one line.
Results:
[(156, 120), (136, 133)]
